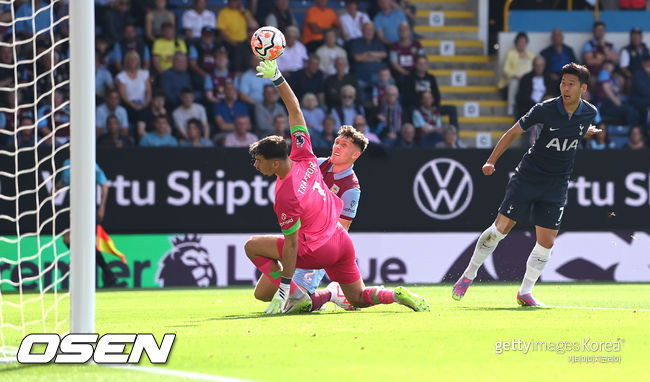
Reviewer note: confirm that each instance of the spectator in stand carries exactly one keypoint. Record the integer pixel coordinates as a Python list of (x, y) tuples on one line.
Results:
[(640, 94), (345, 112), (134, 85), (295, 53), (215, 82), (102, 49), (16, 110), (329, 52), (557, 55), (57, 73), (281, 127), (404, 53), (427, 121), (201, 56), (406, 137), (190, 110), (148, 116), (335, 82), (450, 139), (386, 20), (368, 54), (112, 138), (154, 19), (390, 114), (251, 87), (111, 107), (175, 79), (103, 79), (281, 16), (519, 61), (161, 136), (266, 110), (596, 51), (410, 11), (313, 114), (228, 109), (165, 49), (325, 139), (130, 42), (7, 59), (196, 18), (609, 97), (635, 140), (318, 19), (233, 22), (352, 21), (115, 19), (309, 80), (53, 117), (194, 138), (633, 53), (360, 124), (600, 140), (384, 80), (632, 5), (419, 81), (241, 136), (534, 86), (25, 132)]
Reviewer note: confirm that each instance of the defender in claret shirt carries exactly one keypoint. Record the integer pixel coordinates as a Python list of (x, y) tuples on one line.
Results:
[(540, 180), (308, 214)]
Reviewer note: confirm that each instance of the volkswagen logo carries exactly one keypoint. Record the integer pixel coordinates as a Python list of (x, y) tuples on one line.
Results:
[(442, 188)]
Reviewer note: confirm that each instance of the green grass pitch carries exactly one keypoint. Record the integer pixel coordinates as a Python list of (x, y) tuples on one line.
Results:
[(222, 332)]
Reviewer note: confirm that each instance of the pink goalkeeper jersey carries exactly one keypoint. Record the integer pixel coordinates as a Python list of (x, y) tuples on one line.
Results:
[(303, 202)]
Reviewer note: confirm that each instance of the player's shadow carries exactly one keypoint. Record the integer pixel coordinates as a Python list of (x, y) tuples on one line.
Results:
[(501, 308), (258, 315)]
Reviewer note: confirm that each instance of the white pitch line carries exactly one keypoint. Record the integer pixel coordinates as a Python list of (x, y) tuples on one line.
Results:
[(178, 373), (594, 308)]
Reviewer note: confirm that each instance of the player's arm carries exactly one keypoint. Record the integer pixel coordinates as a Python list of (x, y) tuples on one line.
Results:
[(506, 140), (269, 69), (289, 255), (350, 200), (101, 211), (345, 223)]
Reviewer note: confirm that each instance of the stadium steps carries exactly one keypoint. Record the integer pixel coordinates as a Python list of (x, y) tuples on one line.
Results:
[(461, 26)]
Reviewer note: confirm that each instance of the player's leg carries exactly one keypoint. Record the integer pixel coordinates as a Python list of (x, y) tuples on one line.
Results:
[(264, 251)]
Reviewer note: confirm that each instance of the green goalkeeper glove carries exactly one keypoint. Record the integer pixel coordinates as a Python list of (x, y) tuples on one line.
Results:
[(279, 301), (269, 69)]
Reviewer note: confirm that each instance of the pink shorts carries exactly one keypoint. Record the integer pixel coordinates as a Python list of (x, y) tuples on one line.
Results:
[(336, 256)]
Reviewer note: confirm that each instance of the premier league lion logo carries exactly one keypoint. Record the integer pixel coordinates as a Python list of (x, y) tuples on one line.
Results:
[(187, 264)]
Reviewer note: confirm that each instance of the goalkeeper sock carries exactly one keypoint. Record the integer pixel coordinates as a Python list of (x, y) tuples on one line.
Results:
[(485, 245), (264, 264), (377, 295), (534, 267), (320, 298)]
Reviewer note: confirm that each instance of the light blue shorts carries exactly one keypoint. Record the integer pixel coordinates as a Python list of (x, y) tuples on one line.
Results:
[(308, 278)]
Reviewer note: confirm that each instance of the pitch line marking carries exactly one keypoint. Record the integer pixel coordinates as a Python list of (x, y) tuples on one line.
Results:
[(178, 373)]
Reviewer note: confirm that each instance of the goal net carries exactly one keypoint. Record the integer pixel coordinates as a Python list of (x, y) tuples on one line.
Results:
[(35, 129)]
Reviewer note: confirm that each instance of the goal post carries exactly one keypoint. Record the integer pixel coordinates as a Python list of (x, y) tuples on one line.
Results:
[(82, 166)]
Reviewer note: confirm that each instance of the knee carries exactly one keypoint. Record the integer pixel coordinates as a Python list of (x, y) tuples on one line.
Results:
[(262, 296), (249, 247)]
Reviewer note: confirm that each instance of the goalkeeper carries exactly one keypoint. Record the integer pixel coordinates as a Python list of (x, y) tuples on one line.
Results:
[(108, 277)]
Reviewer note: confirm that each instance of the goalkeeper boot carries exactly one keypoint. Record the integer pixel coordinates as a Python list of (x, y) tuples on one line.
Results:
[(528, 300), (298, 302), (407, 298), (460, 288), (338, 298)]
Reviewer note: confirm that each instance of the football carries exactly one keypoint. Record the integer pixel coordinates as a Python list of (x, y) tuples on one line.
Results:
[(268, 43)]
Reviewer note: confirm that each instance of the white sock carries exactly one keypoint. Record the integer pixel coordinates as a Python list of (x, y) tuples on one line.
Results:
[(485, 245), (534, 267)]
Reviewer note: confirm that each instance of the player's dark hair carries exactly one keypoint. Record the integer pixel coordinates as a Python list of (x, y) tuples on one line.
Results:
[(521, 35), (357, 137), (577, 70), (271, 147), (598, 24)]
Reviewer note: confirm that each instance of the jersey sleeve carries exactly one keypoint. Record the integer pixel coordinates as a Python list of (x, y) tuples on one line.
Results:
[(100, 176), (288, 210), (350, 200), (301, 148), (533, 117)]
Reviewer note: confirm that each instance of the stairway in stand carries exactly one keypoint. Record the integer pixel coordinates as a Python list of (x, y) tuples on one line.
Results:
[(478, 87)]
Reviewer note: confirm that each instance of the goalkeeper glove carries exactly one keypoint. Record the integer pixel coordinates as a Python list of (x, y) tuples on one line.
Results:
[(269, 69), (279, 301)]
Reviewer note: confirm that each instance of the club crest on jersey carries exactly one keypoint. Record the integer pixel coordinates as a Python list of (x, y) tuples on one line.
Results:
[(335, 189), (562, 145), (581, 127), (300, 138)]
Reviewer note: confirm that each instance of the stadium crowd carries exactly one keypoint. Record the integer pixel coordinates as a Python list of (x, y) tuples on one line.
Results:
[(182, 73)]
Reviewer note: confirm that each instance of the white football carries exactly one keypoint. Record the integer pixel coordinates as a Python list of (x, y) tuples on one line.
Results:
[(268, 43)]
